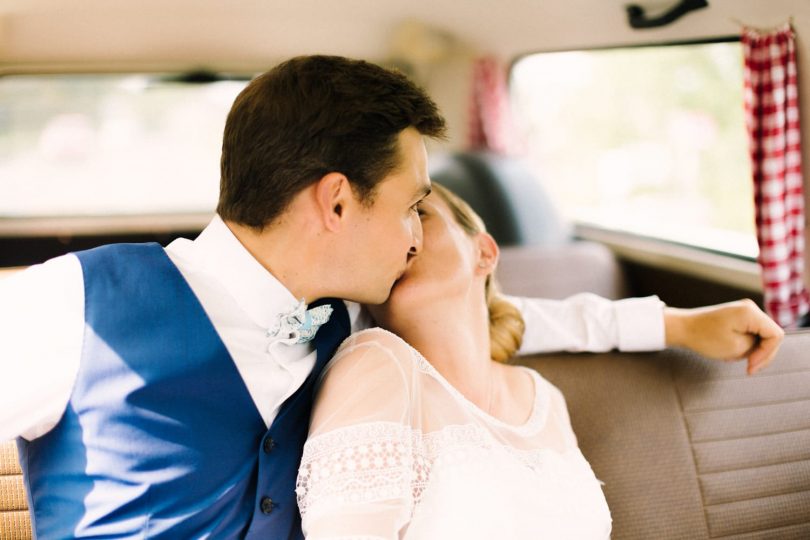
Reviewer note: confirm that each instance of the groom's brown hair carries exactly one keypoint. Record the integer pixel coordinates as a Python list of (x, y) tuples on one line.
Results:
[(310, 116)]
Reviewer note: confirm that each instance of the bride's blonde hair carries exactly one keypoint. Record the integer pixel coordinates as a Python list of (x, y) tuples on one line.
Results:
[(506, 325)]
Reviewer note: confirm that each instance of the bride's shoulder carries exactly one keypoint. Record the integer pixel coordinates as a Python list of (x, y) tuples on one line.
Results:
[(374, 337), (370, 378), (374, 343)]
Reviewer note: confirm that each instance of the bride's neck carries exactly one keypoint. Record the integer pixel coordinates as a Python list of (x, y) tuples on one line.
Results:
[(454, 338)]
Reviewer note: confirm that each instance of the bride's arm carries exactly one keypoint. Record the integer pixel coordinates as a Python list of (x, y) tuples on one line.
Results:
[(355, 478), (587, 322)]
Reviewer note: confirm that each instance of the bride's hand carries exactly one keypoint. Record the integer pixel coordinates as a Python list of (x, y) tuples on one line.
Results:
[(731, 331)]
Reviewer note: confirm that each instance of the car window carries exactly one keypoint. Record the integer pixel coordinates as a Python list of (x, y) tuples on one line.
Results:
[(649, 140), (98, 145)]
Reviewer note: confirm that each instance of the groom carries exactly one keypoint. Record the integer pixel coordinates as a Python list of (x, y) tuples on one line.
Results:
[(167, 393)]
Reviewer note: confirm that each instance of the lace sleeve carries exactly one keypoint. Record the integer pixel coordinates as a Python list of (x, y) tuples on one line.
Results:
[(358, 468)]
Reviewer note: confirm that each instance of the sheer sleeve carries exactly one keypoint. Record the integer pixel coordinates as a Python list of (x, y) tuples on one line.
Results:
[(358, 468)]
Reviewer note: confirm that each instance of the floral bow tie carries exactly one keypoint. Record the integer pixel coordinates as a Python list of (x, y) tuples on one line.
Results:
[(300, 325)]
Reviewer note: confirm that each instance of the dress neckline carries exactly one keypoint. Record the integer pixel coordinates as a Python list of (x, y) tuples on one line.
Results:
[(533, 423), (537, 416)]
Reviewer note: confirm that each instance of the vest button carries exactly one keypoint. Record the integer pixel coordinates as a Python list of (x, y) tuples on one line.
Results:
[(268, 445), (266, 505)]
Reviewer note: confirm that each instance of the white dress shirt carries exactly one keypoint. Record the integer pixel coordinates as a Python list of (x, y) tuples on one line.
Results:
[(42, 328)]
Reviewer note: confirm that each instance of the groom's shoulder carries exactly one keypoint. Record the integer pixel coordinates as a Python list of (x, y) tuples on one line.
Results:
[(117, 251), (116, 264)]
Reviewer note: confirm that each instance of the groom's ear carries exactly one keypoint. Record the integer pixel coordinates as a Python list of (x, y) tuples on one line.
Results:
[(488, 253), (333, 193)]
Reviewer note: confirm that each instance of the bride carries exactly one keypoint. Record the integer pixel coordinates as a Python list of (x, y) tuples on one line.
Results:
[(430, 434)]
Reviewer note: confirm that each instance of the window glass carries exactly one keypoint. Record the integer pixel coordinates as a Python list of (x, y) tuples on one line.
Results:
[(649, 140), (96, 145)]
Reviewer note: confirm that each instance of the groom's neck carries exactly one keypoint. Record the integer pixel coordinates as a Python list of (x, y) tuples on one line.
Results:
[(288, 253)]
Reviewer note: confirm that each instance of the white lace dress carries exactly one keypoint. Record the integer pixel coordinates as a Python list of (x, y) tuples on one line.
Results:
[(395, 451)]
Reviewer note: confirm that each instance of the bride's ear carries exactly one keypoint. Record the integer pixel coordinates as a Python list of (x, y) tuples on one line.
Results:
[(488, 253)]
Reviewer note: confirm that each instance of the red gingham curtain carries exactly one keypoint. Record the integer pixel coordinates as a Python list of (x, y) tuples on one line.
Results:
[(490, 127), (772, 116)]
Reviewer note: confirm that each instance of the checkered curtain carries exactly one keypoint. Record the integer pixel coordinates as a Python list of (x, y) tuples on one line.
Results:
[(772, 116), (490, 127)]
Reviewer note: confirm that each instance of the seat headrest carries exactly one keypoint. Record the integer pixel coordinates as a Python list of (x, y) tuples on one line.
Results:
[(504, 192)]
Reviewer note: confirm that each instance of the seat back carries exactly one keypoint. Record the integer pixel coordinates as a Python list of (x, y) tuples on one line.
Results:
[(557, 272), (15, 523), (692, 448)]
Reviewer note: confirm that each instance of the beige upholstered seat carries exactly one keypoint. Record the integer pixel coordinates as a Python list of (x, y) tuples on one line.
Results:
[(15, 523), (561, 271), (690, 448)]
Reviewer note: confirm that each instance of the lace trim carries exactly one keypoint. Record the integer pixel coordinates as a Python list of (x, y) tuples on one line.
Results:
[(379, 461), (360, 464), (464, 437)]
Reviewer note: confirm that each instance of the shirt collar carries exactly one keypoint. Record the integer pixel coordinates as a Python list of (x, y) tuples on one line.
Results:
[(257, 292)]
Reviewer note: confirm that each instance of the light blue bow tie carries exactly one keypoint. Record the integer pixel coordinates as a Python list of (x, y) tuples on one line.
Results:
[(301, 324)]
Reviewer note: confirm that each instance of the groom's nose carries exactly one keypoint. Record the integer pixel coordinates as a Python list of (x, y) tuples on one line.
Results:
[(416, 241)]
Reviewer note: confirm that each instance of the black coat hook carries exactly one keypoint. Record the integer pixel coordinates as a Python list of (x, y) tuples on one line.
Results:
[(637, 17)]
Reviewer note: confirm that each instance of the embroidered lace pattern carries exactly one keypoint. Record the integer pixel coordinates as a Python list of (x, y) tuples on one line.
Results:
[(360, 464), (382, 461)]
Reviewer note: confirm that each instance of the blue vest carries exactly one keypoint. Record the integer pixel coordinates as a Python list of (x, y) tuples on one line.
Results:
[(160, 437)]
